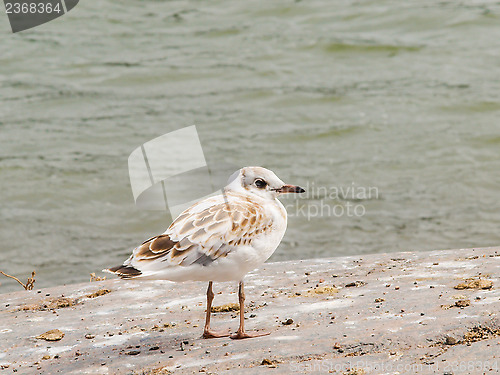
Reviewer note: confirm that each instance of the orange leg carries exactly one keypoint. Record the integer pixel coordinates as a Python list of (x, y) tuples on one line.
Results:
[(207, 332), (241, 334)]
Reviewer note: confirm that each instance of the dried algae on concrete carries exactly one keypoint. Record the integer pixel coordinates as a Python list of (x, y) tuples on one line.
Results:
[(323, 290), (52, 335), (475, 284), (98, 293), (226, 308)]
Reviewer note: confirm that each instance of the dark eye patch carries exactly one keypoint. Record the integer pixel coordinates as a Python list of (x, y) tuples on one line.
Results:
[(261, 184)]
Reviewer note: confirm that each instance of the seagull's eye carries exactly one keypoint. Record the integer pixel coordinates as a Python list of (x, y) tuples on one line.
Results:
[(261, 184)]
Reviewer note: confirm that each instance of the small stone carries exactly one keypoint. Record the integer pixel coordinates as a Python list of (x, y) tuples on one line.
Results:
[(89, 336), (462, 303), (355, 284), (267, 362), (379, 300), (287, 322), (450, 341), (133, 352)]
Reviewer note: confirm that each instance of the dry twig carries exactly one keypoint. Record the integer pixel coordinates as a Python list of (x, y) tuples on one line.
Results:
[(29, 283), (93, 277)]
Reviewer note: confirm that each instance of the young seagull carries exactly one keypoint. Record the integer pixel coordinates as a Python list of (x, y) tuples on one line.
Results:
[(220, 238)]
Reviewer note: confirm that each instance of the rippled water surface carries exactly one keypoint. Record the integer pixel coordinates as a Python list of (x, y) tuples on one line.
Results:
[(402, 97)]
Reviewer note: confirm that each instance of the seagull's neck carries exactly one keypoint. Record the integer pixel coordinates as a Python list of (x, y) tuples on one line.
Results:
[(241, 192), (276, 207)]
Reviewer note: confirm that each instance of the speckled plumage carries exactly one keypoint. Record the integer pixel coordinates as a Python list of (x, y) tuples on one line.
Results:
[(220, 238), (237, 229)]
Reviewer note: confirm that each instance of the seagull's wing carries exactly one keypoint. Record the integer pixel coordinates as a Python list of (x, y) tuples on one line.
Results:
[(200, 235)]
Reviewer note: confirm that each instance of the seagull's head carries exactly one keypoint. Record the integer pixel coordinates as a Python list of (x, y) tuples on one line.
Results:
[(261, 182)]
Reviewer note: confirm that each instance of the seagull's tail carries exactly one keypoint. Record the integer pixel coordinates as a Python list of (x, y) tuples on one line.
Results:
[(125, 272)]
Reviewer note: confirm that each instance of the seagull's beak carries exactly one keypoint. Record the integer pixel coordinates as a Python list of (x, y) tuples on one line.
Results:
[(290, 189)]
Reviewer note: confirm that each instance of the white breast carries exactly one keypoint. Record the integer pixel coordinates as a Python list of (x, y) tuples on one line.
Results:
[(264, 245)]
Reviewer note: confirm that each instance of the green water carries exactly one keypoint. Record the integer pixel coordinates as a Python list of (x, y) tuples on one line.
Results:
[(403, 97)]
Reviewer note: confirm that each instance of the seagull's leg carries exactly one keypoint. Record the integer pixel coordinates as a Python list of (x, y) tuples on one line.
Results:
[(241, 334), (207, 332)]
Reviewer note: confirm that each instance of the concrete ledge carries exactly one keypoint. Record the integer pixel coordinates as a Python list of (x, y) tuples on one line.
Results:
[(393, 313)]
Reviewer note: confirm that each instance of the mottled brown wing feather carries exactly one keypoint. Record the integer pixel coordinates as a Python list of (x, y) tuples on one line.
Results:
[(199, 237), (154, 248), (214, 232), (125, 272)]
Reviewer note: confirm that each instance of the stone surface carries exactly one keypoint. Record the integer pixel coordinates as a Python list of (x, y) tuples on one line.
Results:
[(377, 314)]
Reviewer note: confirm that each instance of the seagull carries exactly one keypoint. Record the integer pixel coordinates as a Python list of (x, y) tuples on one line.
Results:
[(220, 238)]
